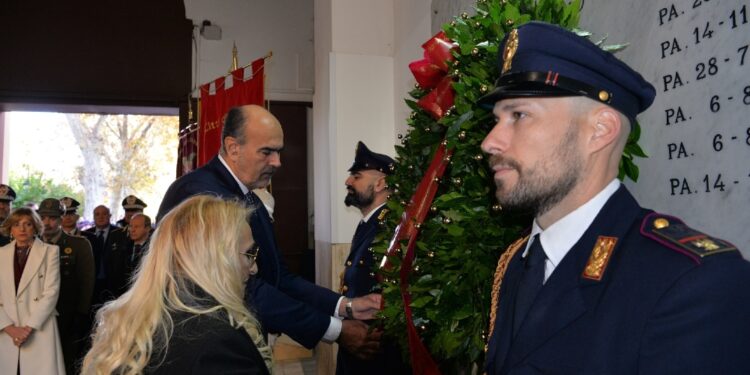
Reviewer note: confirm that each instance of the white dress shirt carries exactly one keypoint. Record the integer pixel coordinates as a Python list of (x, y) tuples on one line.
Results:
[(560, 237)]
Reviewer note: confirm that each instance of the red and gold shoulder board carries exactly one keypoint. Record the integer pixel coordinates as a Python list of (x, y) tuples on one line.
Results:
[(674, 234)]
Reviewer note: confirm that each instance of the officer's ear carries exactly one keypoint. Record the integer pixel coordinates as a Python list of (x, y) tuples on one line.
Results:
[(380, 184), (605, 125)]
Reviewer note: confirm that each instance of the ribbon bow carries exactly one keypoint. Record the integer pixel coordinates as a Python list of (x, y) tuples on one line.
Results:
[(431, 73)]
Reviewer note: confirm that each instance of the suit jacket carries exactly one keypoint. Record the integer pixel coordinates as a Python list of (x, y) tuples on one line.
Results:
[(117, 261), (657, 309), (358, 282), (33, 305), (203, 344), (283, 301), (4, 240), (98, 247)]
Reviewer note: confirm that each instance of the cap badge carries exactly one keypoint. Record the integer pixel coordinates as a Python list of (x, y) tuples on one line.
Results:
[(68, 251), (511, 45), (67, 202), (3, 190), (48, 204), (599, 258), (131, 199)]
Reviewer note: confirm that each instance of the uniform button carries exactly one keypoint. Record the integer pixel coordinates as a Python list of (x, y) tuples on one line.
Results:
[(345, 288), (36, 299), (348, 263), (40, 276), (361, 262)]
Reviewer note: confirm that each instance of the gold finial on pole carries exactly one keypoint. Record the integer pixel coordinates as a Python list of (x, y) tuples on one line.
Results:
[(235, 64)]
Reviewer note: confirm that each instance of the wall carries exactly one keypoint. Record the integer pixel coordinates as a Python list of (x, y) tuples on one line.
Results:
[(257, 27)]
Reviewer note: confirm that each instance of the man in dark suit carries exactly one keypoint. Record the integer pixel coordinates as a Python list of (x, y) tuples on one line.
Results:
[(601, 285), (76, 282), (252, 140), (102, 241), (7, 196), (139, 232), (368, 191)]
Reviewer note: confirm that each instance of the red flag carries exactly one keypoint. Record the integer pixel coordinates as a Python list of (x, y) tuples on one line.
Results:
[(214, 107)]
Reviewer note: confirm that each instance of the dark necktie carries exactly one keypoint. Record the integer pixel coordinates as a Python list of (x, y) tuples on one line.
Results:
[(358, 234), (532, 280), (136, 252), (251, 199), (100, 255)]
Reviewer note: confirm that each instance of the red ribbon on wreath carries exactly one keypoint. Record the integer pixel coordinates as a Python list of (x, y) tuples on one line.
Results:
[(430, 73)]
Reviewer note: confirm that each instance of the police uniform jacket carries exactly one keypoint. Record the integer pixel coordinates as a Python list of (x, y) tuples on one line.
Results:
[(357, 281), (659, 307), (283, 301)]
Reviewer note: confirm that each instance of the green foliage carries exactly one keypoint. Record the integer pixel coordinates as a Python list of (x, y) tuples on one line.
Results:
[(32, 186), (462, 238)]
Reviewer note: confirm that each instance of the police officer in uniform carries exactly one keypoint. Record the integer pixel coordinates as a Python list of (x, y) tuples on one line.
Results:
[(7, 196), (76, 282), (601, 285), (368, 191), (132, 205), (70, 218)]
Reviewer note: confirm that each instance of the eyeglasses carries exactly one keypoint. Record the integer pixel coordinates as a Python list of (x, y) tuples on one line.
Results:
[(252, 253)]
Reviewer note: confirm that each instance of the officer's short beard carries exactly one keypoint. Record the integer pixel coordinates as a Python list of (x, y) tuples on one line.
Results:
[(360, 200)]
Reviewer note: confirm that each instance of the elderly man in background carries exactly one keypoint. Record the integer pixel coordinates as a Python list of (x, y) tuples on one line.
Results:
[(139, 231), (252, 140)]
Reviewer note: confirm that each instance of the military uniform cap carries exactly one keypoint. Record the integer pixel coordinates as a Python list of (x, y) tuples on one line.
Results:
[(71, 205), (131, 202), (7, 193), (365, 159), (538, 59), (51, 207)]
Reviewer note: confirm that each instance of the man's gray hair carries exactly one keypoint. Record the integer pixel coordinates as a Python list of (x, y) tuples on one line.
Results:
[(233, 127)]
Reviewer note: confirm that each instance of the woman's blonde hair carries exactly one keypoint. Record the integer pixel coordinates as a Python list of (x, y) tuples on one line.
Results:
[(195, 245), (16, 215)]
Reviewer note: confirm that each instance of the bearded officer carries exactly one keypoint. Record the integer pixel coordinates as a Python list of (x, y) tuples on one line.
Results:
[(601, 285), (367, 190)]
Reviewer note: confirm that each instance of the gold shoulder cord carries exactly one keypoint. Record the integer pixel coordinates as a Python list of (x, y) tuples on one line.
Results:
[(502, 266)]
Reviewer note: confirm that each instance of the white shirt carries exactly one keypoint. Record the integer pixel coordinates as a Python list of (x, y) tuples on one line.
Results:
[(334, 327), (559, 238)]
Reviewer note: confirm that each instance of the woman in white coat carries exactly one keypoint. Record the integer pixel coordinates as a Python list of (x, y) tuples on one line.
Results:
[(29, 287)]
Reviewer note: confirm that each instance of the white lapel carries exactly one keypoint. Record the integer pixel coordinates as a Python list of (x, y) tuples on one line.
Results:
[(36, 255)]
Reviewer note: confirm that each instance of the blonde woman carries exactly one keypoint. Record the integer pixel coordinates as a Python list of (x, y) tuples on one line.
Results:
[(184, 312), (29, 287)]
